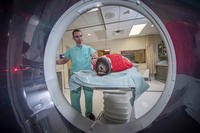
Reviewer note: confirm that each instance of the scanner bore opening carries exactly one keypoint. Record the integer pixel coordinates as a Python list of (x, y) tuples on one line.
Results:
[(51, 78)]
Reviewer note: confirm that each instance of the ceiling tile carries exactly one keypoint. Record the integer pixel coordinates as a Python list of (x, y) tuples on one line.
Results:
[(79, 22), (110, 13), (94, 33), (139, 15), (126, 24), (126, 13), (113, 26), (93, 18)]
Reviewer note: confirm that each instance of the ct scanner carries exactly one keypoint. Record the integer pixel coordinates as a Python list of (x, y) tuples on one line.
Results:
[(31, 100)]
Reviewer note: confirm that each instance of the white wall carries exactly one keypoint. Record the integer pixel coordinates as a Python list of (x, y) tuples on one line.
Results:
[(121, 44), (134, 43)]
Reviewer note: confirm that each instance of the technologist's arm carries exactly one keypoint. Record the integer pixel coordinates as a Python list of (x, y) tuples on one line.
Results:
[(62, 61)]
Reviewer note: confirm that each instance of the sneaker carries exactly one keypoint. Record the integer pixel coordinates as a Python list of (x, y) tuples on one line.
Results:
[(92, 117)]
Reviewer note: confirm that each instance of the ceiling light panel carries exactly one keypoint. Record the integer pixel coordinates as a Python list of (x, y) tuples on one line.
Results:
[(148, 30), (136, 29)]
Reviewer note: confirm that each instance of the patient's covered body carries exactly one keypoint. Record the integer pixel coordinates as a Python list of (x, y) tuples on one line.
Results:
[(111, 63)]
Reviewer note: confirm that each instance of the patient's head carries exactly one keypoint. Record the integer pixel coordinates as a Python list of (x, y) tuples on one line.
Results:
[(103, 66)]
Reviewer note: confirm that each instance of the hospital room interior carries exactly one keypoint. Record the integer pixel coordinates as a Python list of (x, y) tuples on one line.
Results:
[(119, 30)]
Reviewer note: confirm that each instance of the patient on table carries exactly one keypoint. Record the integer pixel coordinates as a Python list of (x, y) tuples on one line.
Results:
[(111, 63), (118, 71)]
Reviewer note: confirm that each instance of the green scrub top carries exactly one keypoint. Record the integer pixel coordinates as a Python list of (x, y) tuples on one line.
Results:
[(80, 57)]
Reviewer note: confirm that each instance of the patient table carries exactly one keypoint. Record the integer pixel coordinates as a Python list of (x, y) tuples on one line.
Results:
[(129, 79)]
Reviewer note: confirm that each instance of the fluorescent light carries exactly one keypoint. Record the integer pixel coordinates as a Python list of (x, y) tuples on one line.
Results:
[(93, 10), (89, 34), (98, 5), (106, 50), (136, 29)]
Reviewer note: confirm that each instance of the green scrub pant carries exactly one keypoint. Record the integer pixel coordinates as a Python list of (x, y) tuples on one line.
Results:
[(75, 99)]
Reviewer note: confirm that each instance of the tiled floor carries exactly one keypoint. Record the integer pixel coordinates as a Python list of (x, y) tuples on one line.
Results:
[(142, 105)]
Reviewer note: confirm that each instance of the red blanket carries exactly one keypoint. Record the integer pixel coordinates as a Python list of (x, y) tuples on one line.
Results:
[(119, 63)]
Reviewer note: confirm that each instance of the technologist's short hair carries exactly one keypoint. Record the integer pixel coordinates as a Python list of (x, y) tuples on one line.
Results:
[(75, 30)]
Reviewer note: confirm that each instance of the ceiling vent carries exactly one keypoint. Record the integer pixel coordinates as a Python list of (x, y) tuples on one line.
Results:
[(109, 15), (118, 32), (126, 12)]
